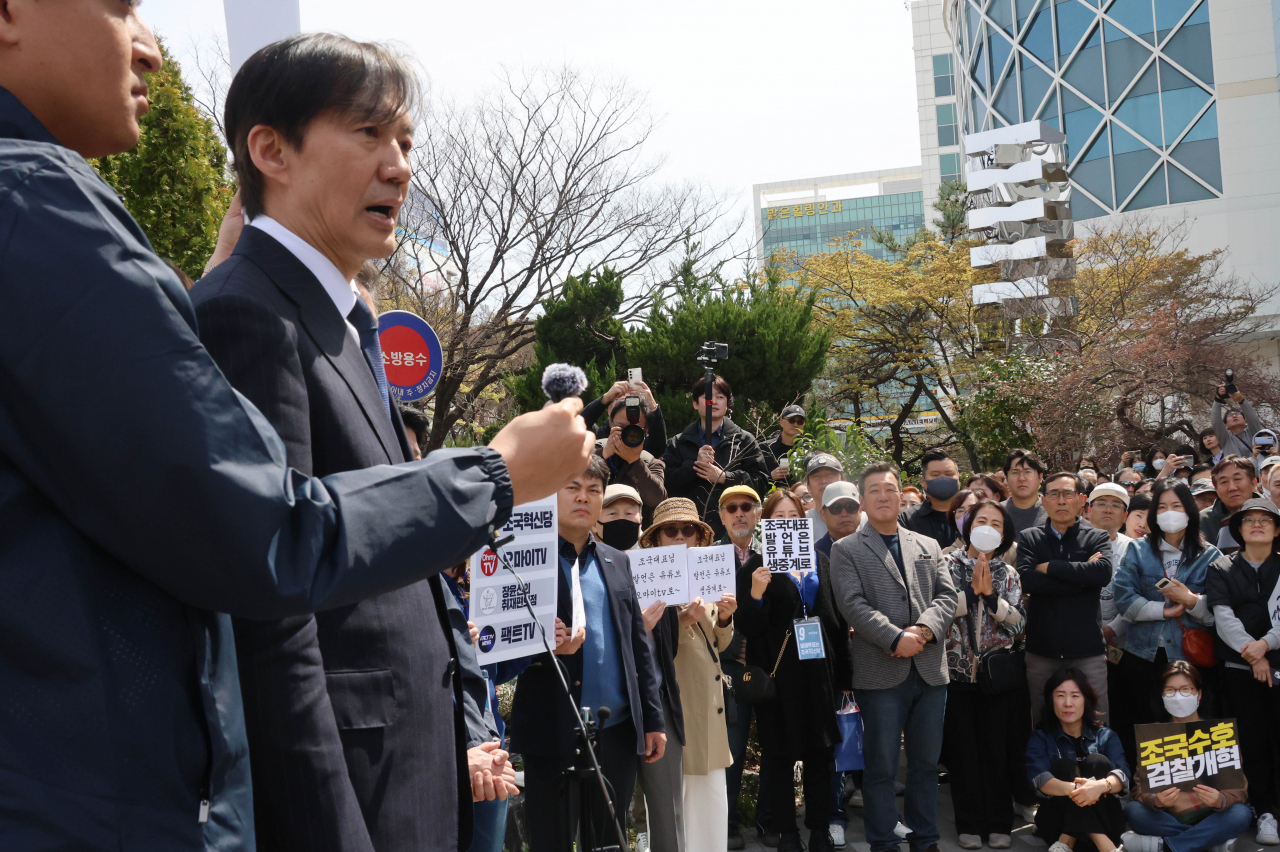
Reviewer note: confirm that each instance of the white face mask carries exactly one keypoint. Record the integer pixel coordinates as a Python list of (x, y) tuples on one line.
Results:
[(985, 539), (1172, 521), (1181, 706), (1158, 464)]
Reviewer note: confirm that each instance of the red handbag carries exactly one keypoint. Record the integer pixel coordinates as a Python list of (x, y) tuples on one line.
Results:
[(1197, 646)]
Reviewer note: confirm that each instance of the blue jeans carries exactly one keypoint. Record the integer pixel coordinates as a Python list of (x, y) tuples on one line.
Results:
[(915, 709), (1217, 827), (490, 826)]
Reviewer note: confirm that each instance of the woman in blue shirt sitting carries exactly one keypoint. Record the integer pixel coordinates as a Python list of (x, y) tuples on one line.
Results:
[(1079, 768)]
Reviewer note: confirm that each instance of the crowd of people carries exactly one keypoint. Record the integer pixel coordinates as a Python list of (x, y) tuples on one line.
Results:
[(237, 609), (1005, 630)]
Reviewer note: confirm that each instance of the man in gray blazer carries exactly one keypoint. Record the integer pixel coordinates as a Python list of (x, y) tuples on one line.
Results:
[(892, 588)]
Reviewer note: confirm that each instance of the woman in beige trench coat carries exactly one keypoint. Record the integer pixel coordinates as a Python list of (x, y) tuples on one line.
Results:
[(705, 631)]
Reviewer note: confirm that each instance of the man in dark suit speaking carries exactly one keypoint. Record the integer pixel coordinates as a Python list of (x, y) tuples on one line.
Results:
[(121, 725), (355, 716)]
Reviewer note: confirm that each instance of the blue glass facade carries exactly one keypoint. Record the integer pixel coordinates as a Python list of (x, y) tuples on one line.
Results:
[(806, 228), (1130, 82)]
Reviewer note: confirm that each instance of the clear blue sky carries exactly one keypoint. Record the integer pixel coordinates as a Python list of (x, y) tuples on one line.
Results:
[(748, 91)]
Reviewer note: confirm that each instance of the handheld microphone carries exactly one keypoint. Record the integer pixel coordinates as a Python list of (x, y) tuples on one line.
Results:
[(560, 381)]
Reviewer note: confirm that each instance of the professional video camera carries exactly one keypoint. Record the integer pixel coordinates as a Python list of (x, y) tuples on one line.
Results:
[(1229, 385), (711, 353)]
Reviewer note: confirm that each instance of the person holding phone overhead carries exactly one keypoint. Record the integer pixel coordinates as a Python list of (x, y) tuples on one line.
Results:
[(1245, 599)]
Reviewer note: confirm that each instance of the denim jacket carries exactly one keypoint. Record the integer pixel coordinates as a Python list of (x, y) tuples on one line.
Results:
[(1047, 747), (1135, 586)]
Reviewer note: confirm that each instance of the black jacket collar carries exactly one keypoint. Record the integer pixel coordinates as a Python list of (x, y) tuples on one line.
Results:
[(693, 433)]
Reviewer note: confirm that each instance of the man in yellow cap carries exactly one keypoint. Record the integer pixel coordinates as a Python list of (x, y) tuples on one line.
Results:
[(739, 512)]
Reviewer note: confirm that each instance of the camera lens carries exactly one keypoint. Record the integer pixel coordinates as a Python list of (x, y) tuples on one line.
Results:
[(632, 435)]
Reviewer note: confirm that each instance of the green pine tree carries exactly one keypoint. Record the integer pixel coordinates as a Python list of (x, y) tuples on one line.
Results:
[(174, 181), (952, 203), (775, 349)]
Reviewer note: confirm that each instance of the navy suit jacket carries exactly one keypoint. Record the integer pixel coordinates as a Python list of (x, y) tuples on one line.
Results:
[(542, 722), (355, 715), (141, 496)]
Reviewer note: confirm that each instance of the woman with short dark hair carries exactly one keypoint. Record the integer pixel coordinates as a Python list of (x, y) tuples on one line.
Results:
[(979, 713), (1079, 767), (1201, 819)]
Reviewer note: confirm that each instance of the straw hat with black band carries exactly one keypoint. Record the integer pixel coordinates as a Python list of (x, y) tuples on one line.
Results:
[(676, 510)]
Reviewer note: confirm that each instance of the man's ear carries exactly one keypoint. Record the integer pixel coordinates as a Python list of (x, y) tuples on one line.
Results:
[(9, 17), (267, 149)]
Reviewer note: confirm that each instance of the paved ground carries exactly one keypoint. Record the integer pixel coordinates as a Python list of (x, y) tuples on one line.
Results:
[(1023, 841)]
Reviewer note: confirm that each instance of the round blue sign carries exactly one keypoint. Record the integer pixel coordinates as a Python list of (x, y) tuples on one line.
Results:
[(487, 637), (411, 354)]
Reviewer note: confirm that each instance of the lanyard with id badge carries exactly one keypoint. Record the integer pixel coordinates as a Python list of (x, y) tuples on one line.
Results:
[(808, 632)]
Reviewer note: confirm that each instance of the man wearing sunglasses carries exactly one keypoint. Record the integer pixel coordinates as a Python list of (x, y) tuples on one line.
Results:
[(739, 512), (792, 424), (841, 512)]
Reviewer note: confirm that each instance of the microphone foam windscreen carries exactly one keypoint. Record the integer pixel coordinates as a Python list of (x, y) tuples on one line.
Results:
[(563, 380)]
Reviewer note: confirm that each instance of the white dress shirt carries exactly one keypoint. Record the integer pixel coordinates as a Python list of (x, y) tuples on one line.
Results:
[(341, 291)]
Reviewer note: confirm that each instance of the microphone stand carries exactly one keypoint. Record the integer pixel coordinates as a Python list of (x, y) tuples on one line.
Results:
[(584, 729)]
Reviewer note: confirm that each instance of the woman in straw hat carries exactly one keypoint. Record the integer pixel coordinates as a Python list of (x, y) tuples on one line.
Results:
[(799, 723), (703, 631)]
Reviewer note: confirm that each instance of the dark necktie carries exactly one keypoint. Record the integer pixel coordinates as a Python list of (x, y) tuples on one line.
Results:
[(367, 327)]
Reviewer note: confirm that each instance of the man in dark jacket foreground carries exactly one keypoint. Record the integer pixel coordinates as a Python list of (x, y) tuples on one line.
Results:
[(1064, 566), (121, 726), (608, 663)]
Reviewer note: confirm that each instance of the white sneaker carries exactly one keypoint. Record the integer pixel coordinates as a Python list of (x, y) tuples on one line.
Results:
[(901, 830), (1027, 812), (1059, 846), (835, 833), (642, 842), (855, 799), (1267, 834), (1141, 842), (1223, 847), (970, 841)]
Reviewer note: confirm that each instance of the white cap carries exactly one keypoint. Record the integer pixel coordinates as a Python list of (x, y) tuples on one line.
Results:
[(1268, 462), (1110, 489), (618, 491), (840, 491)]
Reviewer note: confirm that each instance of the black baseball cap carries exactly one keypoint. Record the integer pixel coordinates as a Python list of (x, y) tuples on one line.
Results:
[(792, 411)]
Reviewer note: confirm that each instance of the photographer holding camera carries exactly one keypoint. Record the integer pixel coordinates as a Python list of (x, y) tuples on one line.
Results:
[(624, 451), (1235, 432), (655, 424)]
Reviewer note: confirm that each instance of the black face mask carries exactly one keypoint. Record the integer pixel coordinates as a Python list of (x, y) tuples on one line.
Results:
[(622, 534)]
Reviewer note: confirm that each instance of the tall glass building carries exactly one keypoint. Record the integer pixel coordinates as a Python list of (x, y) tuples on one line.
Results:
[(801, 216), (1171, 108)]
